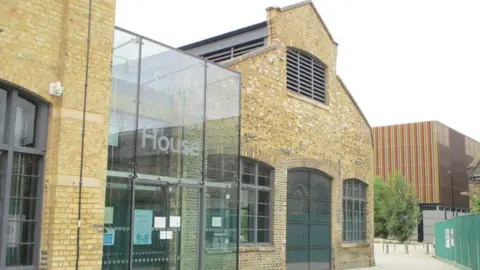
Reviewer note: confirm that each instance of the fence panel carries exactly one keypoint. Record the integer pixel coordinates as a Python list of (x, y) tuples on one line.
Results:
[(457, 240)]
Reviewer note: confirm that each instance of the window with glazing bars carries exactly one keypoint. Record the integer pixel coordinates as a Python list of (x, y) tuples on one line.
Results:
[(354, 211), (234, 51), (306, 75)]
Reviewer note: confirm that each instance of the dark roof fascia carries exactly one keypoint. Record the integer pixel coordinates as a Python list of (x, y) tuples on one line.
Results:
[(225, 35)]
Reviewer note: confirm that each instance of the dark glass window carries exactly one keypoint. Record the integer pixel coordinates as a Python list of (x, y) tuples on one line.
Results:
[(306, 75), (256, 206), (354, 211), (20, 175)]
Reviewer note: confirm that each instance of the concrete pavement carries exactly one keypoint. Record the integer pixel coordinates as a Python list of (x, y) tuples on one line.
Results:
[(415, 260)]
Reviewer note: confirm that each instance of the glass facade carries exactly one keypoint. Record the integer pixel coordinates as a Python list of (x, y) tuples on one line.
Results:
[(171, 114)]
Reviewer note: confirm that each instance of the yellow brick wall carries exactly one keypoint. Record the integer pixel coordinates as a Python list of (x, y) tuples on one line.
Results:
[(333, 138), (45, 41)]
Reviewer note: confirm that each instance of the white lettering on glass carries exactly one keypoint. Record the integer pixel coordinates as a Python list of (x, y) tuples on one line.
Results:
[(169, 144)]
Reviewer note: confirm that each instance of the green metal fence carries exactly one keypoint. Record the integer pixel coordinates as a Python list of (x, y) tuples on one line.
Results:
[(458, 240)]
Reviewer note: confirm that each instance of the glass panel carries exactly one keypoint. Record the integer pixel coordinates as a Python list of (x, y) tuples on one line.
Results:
[(150, 249), (221, 232), (24, 123), (297, 209), (263, 181), (263, 223), (171, 112), (263, 236), (3, 113), (298, 184), (222, 116), (116, 244), (264, 196), (263, 209), (21, 254), (248, 179), (123, 105), (248, 166), (319, 186)]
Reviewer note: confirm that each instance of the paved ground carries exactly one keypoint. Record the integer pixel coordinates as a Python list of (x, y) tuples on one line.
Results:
[(415, 260)]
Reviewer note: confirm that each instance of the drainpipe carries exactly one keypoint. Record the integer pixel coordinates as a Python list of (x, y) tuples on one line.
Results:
[(80, 182)]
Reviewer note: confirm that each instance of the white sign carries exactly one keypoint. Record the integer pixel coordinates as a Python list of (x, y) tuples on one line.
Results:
[(175, 222), (166, 235), (159, 222), (452, 239), (447, 238), (166, 144), (108, 218), (216, 222)]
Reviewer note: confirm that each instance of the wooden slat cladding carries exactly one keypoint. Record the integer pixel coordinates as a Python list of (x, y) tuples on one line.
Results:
[(305, 75)]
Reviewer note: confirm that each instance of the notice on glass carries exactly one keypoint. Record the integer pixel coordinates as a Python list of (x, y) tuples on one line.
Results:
[(159, 222), (109, 238), (142, 229), (175, 222), (216, 222), (452, 239), (447, 238), (164, 235), (108, 218)]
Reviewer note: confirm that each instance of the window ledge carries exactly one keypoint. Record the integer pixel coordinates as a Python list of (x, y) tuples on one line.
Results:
[(257, 248), (308, 100), (356, 245)]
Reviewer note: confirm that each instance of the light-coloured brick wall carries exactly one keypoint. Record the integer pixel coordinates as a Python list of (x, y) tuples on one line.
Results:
[(333, 138), (45, 41)]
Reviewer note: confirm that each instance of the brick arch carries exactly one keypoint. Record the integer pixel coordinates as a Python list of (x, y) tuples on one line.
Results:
[(257, 154), (324, 166), (11, 85), (357, 178)]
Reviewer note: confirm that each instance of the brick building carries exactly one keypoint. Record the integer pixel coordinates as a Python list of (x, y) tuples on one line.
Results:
[(473, 171), (432, 157), (137, 164), (302, 130)]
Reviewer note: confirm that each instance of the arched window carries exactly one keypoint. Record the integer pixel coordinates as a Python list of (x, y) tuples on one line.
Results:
[(354, 211), (306, 75), (23, 122), (256, 202)]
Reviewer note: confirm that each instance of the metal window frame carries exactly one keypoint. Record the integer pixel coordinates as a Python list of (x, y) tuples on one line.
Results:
[(357, 232), (256, 188), (15, 92)]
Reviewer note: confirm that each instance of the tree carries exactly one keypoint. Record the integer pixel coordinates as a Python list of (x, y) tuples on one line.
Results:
[(398, 210), (476, 204), (380, 197)]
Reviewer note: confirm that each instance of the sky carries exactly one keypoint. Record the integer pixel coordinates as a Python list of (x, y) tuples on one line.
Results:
[(403, 60)]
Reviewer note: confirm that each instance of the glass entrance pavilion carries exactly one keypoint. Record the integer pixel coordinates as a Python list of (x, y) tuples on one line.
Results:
[(171, 202)]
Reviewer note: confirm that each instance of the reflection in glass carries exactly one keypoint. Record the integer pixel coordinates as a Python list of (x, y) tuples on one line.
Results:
[(221, 228), (21, 219), (24, 123), (3, 113), (123, 105)]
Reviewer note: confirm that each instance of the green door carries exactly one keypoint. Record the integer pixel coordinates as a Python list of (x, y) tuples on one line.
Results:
[(308, 220)]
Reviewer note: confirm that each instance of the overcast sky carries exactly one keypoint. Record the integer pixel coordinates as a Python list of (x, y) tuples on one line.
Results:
[(403, 60)]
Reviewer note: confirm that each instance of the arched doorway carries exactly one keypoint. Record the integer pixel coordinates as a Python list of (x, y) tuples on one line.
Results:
[(308, 220)]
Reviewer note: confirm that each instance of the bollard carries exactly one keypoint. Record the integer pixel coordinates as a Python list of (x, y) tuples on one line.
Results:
[(406, 248), (428, 249), (414, 246), (383, 246), (387, 249), (394, 247)]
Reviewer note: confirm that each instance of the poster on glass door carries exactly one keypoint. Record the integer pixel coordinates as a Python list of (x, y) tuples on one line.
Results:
[(142, 227)]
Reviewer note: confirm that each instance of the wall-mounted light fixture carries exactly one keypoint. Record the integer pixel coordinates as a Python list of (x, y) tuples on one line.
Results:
[(286, 151), (250, 135)]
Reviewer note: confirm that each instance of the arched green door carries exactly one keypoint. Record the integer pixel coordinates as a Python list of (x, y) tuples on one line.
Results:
[(308, 220)]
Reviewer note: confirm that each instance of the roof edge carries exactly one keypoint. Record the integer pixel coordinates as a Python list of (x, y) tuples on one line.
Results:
[(224, 35), (356, 105), (251, 54), (299, 4)]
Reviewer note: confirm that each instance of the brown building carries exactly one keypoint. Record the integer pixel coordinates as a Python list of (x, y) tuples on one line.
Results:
[(302, 126), (434, 159)]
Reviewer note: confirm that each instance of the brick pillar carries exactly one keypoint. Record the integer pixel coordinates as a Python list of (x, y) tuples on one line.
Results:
[(64, 143)]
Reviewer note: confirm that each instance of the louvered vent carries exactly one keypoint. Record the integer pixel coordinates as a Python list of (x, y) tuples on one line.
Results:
[(232, 52), (305, 75)]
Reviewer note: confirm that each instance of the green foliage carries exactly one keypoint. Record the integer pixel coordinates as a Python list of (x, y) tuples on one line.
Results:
[(476, 204), (380, 196), (398, 210)]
